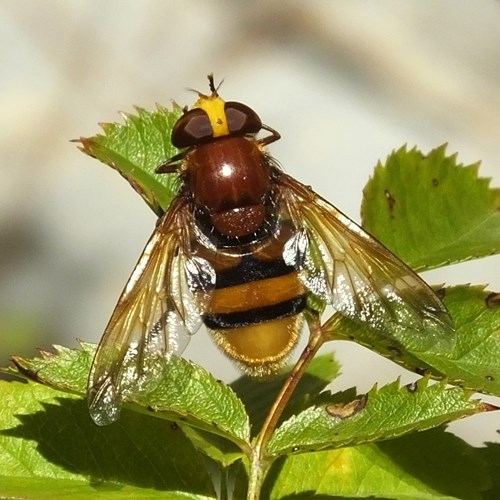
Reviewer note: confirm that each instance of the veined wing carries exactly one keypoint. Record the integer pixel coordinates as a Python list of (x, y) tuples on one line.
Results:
[(361, 278), (156, 313)]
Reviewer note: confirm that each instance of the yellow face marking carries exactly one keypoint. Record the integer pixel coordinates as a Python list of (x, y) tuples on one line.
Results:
[(214, 108)]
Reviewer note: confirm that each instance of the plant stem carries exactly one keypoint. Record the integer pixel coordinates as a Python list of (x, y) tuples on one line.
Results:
[(259, 462)]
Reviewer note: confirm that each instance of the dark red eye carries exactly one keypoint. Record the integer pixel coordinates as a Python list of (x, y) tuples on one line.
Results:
[(194, 127), (241, 119), (191, 129)]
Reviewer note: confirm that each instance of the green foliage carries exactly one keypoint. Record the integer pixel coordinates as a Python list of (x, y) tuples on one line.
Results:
[(55, 435), (259, 395), (384, 413), (184, 393), (473, 363), (187, 435), (426, 465), (50, 448), (431, 211), (136, 148)]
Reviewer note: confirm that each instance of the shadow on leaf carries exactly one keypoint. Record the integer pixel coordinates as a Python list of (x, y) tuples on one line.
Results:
[(440, 460), (419, 463), (491, 455), (137, 450), (259, 395)]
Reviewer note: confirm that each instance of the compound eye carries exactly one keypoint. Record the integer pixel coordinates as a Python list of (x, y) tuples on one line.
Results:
[(192, 128), (241, 119)]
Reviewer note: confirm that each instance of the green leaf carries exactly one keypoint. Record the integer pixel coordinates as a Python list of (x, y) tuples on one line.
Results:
[(221, 450), (64, 369), (258, 395), (183, 392), (189, 394), (136, 148), (431, 211), (381, 414), (50, 448), (474, 362), (423, 466)]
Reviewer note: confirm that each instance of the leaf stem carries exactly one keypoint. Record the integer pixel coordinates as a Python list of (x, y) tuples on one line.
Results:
[(259, 461)]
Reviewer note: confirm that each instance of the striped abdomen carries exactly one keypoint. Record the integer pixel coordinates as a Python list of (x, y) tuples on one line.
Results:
[(255, 310)]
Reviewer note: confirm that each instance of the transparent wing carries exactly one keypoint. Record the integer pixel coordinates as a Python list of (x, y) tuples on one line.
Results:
[(160, 307), (361, 278)]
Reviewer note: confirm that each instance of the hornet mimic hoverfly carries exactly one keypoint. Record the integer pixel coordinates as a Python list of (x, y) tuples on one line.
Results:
[(241, 249)]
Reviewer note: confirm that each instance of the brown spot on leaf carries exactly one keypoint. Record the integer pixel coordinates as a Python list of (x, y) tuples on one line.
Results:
[(25, 369), (174, 426), (435, 182), (390, 200), (412, 387), (347, 410), (421, 371), (493, 300), (394, 351)]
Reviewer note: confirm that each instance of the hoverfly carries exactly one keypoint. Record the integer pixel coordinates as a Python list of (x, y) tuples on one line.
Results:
[(240, 249)]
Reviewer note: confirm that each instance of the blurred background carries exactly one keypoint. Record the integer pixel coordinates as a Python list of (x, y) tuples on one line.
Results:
[(329, 75)]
